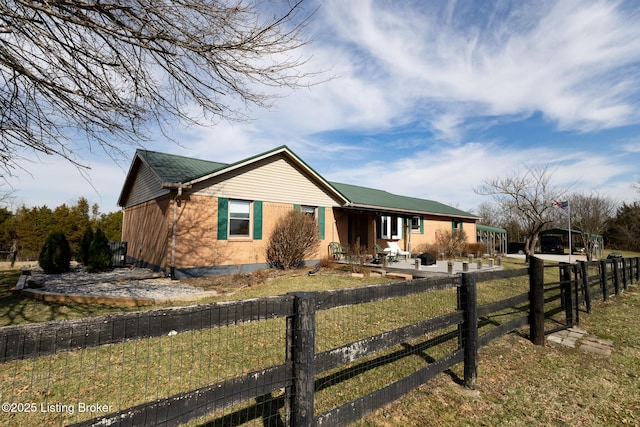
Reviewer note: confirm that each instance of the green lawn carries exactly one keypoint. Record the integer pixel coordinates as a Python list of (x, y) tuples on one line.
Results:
[(518, 383)]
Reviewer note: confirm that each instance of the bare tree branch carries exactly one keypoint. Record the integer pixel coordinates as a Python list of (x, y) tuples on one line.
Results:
[(527, 196), (105, 71), (590, 214)]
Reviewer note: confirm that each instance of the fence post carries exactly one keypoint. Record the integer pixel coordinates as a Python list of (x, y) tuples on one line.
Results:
[(576, 291), (616, 276), (625, 274), (637, 269), (303, 354), (603, 280), (536, 300), (585, 285), (566, 292), (469, 307)]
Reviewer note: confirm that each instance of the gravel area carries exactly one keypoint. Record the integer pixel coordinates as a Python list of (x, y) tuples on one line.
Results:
[(122, 282)]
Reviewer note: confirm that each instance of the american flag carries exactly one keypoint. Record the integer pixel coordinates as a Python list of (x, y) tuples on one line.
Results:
[(561, 205)]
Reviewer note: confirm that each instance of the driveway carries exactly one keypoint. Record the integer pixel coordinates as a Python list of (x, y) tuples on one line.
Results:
[(553, 257)]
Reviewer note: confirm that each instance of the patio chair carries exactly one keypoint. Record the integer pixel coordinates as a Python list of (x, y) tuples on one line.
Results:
[(380, 254), (337, 251), (396, 251), (388, 253)]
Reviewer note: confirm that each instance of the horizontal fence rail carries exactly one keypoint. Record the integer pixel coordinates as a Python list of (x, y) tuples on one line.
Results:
[(316, 358)]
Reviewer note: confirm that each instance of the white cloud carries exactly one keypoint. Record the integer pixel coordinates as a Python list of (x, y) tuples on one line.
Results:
[(450, 174), (565, 63), (447, 71)]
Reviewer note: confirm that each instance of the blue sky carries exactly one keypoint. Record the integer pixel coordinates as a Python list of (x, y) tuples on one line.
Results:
[(427, 99)]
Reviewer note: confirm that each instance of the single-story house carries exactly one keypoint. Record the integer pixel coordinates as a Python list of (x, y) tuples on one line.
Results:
[(197, 217)]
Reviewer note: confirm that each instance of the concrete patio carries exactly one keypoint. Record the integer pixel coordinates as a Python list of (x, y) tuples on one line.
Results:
[(440, 268)]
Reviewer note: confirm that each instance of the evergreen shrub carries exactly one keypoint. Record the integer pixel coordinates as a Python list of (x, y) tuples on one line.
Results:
[(99, 253), (55, 255)]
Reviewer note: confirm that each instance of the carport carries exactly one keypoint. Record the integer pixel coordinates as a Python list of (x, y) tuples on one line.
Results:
[(495, 239), (577, 237)]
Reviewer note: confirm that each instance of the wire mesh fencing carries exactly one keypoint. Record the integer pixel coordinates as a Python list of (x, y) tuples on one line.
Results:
[(144, 365), (323, 358)]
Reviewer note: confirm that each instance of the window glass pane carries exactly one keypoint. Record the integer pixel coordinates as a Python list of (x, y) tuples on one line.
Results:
[(384, 227), (239, 208), (239, 217), (239, 227), (395, 228), (309, 210), (415, 223)]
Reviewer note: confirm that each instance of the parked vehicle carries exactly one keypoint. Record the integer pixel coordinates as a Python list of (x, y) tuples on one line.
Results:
[(551, 245), (515, 248)]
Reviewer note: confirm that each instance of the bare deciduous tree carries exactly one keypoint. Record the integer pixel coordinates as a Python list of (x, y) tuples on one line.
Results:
[(451, 242), (590, 215), (528, 197), (104, 71)]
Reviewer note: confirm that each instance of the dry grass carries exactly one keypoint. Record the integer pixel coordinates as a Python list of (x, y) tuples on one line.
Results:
[(16, 309), (520, 384)]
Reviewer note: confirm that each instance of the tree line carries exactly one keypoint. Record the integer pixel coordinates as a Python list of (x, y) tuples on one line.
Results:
[(529, 202), (27, 229)]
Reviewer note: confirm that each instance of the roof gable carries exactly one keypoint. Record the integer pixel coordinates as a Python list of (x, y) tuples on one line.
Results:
[(177, 169)]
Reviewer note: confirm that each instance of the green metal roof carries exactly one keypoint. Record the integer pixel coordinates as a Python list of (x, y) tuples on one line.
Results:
[(566, 231), (482, 227), (372, 198), (171, 168), (178, 169)]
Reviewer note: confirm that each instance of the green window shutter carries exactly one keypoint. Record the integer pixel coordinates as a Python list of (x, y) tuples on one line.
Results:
[(321, 221), (421, 225), (453, 224), (296, 207), (257, 220), (461, 223), (223, 218)]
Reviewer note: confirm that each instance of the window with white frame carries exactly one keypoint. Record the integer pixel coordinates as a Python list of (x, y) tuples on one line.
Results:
[(308, 210), (239, 218), (389, 227), (415, 224)]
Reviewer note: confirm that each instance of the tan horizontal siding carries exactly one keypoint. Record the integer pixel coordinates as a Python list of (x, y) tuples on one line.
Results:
[(274, 180), (145, 187)]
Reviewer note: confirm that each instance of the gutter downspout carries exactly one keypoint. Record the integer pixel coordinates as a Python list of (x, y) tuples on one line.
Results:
[(173, 233)]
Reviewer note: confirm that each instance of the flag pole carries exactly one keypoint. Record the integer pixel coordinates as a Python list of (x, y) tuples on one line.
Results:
[(569, 211)]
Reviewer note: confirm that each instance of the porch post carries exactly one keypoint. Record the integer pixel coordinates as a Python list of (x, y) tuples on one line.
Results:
[(375, 235), (407, 233)]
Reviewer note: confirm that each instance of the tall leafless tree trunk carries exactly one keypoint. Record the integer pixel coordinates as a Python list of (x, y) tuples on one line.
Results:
[(103, 72), (527, 196)]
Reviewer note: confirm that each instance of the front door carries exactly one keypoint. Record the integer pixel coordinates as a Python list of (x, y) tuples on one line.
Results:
[(358, 230)]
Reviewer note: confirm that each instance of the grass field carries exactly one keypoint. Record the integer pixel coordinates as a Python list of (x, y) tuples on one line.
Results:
[(518, 384)]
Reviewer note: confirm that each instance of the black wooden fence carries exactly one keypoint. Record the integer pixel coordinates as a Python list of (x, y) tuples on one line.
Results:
[(285, 393)]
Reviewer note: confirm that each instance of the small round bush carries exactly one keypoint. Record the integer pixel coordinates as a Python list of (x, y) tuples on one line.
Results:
[(87, 237), (99, 253), (55, 255), (294, 238)]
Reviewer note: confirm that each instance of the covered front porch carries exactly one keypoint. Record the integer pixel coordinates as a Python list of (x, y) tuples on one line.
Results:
[(368, 232)]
